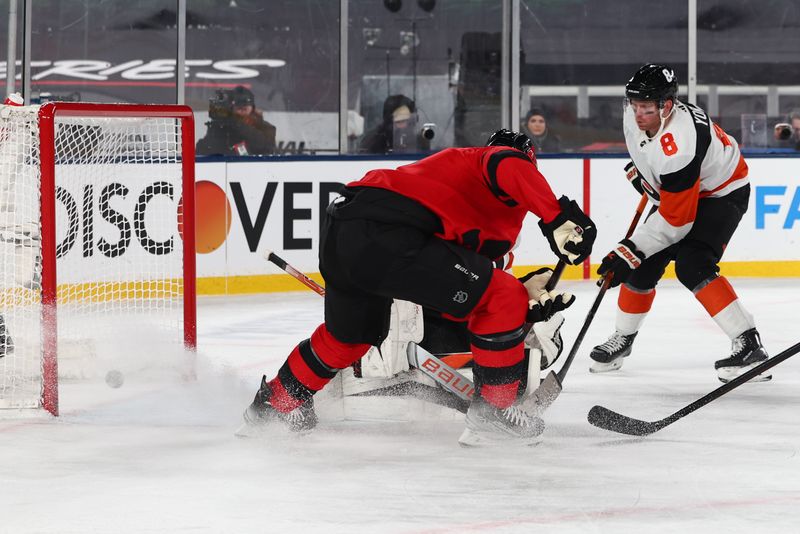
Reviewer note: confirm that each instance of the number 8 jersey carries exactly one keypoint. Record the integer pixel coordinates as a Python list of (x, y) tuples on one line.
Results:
[(689, 159)]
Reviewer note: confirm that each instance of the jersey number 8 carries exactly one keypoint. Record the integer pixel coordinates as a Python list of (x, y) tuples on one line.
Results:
[(668, 144)]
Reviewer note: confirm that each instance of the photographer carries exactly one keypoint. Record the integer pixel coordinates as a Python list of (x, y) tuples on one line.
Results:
[(398, 131), (236, 127), (788, 133)]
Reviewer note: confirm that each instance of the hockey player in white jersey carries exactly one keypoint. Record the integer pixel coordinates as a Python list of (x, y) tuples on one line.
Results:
[(696, 179)]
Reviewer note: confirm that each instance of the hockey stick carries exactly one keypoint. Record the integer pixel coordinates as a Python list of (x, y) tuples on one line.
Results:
[(550, 388), (300, 277), (609, 420), (444, 375), (433, 394)]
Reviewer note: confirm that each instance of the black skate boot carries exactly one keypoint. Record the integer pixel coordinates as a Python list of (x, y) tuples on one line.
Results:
[(6, 343), (747, 353), (261, 412), (608, 356), (487, 425)]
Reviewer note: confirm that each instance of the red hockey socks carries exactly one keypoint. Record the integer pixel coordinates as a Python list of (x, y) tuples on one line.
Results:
[(311, 365), (497, 333)]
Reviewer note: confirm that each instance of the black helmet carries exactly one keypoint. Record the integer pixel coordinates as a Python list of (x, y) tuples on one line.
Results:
[(653, 82), (516, 140)]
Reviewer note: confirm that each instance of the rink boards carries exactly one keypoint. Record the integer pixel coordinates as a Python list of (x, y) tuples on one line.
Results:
[(246, 207)]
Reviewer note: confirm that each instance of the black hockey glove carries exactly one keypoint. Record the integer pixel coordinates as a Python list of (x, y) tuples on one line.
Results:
[(620, 262), (542, 304), (634, 177), (571, 234), (539, 311)]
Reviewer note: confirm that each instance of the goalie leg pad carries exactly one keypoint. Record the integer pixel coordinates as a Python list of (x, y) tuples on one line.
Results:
[(545, 339), (405, 326)]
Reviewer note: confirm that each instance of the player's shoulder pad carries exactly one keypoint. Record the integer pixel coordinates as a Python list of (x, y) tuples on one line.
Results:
[(492, 159)]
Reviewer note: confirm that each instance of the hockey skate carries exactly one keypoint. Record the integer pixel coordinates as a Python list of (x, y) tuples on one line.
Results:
[(608, 356), (489, 425), (747, 352), (261, 413)]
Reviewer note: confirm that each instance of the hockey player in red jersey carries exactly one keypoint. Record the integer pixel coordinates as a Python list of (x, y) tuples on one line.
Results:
[(696, 177), (428, 233)]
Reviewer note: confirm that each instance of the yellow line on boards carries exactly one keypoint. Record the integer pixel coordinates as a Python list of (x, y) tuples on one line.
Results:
[(272, 283)]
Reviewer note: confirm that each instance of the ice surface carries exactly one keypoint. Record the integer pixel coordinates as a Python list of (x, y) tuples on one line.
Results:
[(158, 455)]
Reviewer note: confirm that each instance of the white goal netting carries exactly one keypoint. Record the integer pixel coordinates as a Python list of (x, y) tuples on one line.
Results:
[(119, 252)]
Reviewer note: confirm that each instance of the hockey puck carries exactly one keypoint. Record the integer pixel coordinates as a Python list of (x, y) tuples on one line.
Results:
[(114, 378)]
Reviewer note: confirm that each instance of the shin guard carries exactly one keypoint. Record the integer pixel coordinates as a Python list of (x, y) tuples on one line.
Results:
[(310, 366), (633, 306), (497, 334), (720, 301)]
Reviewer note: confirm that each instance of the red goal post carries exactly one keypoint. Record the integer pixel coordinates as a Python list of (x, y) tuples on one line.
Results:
[(118, 180)]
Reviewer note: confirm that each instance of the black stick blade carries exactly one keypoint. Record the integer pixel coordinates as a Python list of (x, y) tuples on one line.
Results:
[(609, 420)]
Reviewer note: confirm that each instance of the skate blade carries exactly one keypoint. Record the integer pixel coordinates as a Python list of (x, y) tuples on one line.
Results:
[(613, 365), (253, 427), (473, 439), (247, 430), (273, 429), (726, 374)]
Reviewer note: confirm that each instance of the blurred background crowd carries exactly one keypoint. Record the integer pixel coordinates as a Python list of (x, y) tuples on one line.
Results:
[(283, 77)]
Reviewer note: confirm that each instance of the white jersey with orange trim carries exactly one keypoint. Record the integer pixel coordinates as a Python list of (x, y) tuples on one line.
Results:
[(689, 159)]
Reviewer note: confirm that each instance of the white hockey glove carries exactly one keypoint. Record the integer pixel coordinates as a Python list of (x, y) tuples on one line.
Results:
[(542, 304), (571, 234)]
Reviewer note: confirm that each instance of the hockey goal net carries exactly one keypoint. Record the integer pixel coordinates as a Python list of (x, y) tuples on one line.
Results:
[(96, 204)]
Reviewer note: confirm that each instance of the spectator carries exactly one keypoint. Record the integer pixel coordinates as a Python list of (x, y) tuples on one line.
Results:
[(788, 133), (536, 129), (397, 131), (236, 127)]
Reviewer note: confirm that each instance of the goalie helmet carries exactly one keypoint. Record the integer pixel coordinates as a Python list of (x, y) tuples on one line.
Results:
[(653, 82), (517, 140)]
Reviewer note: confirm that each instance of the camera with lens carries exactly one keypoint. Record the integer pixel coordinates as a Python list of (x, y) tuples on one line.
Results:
[(783, 131), (428, 131), (220, 106)]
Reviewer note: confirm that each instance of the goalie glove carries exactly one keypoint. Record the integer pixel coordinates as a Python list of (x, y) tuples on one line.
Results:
[(620, 262), (545, 337), (542, 304), (634, 177), (571, 234)]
